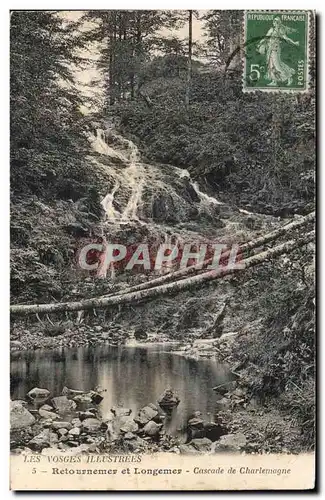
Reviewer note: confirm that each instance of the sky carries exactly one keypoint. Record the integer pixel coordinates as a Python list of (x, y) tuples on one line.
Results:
[(90, 73)]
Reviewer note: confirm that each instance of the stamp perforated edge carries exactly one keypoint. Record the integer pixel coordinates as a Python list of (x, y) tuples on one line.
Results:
[(243, 58)]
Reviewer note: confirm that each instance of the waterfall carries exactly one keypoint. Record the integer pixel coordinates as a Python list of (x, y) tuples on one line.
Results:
[(131, 177), (205, 198)]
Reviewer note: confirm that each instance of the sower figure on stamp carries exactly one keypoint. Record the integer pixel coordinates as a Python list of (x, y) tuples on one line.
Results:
[(277, 70)]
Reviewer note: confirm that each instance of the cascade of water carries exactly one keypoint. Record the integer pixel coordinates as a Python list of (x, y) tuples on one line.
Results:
[(136, 176), (100, 145), (132, 177), (205, 197), (184, 174), (107, 204)]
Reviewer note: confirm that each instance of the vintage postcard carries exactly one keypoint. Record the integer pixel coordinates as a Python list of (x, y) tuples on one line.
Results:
[(162, 250)]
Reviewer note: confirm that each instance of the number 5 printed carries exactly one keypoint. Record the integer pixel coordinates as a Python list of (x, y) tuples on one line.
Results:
[(255, 69)]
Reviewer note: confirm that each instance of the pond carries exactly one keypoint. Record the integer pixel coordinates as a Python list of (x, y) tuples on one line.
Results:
[(132, 376)]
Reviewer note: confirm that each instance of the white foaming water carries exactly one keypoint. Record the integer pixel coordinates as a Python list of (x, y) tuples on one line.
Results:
[(205, 197), (100, 146), (133, 177), (184, 174)]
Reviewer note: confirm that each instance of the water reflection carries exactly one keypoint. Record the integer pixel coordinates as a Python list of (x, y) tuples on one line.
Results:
[(132, 376)]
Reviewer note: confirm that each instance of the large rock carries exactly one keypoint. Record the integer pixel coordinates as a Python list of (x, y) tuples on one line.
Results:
[(70, 392), (201, 445), (91, 425), (152, 429), (46, 407), (86, 414), (42, 440), (20, 418), (63, 432), (63, 405), (48, 414), (83, 400), (96, 397), (38, 394), (61, 425), (168, 400), (76, 422), (145, 415), (196, 423), (88, 398), (230, 443), (186, 449), (74, 432), (129, 425)]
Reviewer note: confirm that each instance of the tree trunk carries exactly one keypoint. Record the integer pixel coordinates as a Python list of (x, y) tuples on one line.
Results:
[(261, 240), (112, 47), (189, 60), (171, 288)]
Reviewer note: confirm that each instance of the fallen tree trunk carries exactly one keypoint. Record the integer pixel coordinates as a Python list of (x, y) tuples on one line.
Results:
[(167, 289), (261, 240)]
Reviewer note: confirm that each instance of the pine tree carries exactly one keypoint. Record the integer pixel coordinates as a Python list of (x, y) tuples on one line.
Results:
[(47, 142)]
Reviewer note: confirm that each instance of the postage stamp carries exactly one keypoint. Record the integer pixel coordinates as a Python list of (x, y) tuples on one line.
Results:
[(276, 51)]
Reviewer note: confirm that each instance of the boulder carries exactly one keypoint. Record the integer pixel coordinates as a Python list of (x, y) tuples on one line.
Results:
[(20, 417), (201, 444), (63, 405), (91, 425), (70, 392), (96, 397), (230, 443), (185, 449), (20, 402), (46, 408), (38, 394), (74, 432), (85, 414), (42, 440), (119, 411), (76, 422), (145, 415), (168, 399), (83, 399), (61, 425), (88, 398), (152, 429), (129, 425), (62, 432), (48, 414), (195, 423), (129, 435)]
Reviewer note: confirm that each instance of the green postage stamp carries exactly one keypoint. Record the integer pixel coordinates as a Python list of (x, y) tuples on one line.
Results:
[(276, 51)]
